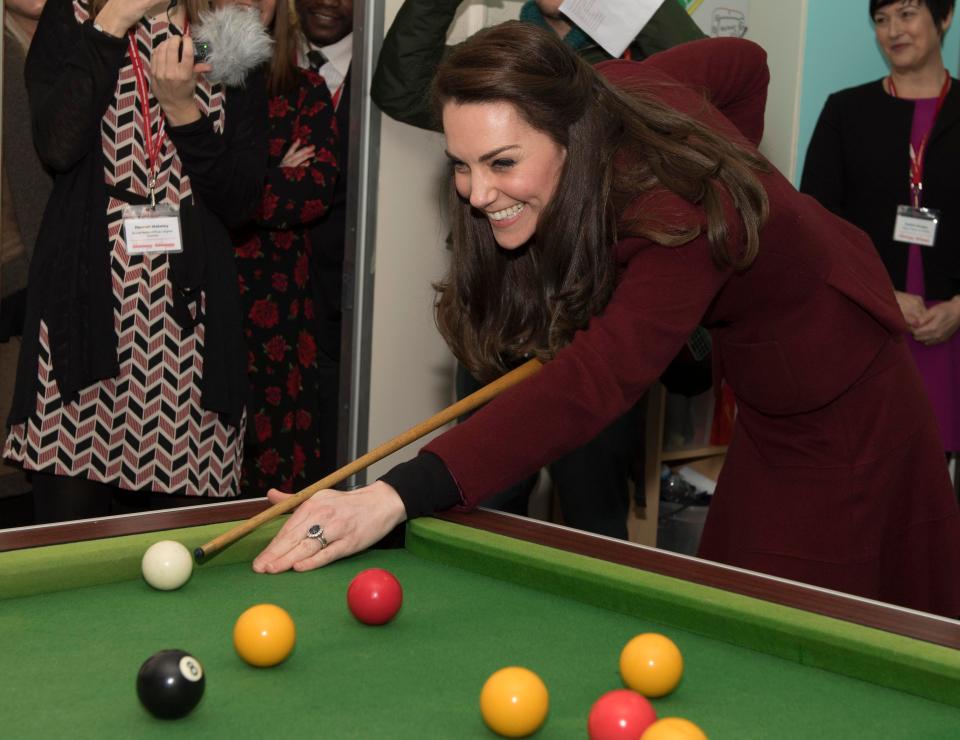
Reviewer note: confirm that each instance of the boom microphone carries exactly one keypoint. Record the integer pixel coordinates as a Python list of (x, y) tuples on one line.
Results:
[(233, 41)]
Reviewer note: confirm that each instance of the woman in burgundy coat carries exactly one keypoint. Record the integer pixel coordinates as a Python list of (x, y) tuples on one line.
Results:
[(600, 215)]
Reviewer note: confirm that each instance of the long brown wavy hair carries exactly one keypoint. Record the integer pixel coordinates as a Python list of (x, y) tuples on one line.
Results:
[(282, 77), (495, 306)]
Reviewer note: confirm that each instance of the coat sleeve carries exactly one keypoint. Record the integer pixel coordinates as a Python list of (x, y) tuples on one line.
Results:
[(670, 26), (71, 73), (409, 57), (593, 380), (228, 171), (823, 167), (732, 73)]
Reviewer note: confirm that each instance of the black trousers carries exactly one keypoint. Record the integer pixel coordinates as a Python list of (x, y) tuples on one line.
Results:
[(592, 482), (59, 498)]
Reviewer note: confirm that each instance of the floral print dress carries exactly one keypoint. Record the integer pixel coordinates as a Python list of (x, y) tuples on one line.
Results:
[(273, 259)]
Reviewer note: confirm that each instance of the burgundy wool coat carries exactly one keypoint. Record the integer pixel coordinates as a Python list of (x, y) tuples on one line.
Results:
[(835, 475)]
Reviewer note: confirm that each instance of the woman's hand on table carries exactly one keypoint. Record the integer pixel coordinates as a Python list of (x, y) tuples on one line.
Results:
[(173, 79), (350, 521), (912, 307), (939, 324)]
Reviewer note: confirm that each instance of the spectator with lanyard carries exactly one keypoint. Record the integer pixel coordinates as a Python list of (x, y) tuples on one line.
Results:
[(131, 382)]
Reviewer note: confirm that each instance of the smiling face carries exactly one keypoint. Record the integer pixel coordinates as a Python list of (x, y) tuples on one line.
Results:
[(908, 35), (325, 22), (504, 167)]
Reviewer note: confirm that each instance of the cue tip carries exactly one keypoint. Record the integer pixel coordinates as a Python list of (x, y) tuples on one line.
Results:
[(199, 555)]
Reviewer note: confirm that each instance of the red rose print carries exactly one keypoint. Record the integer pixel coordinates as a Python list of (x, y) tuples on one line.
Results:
[(262, 422), (283, 239), (306, 349), (269, 203), (318, 177), (264, 313), (288, 421), (294, 174), (301, 271), (293, 386), (303, 419), (294, 309), (276, 348), (249, 249), (279, 282), (298, 460), (302, 132), (278, 107), (268, 461), (308, 308), (326, 156), (312, 209), (272, 395), (277, 147)]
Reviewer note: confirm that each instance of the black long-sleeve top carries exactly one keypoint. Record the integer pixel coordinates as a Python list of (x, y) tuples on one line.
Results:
[(858, 166)]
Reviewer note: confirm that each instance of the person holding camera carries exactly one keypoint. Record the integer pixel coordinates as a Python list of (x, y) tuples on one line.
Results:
[(130, 382)]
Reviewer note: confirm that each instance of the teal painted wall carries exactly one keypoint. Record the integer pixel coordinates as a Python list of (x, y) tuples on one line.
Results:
[(840, 51)]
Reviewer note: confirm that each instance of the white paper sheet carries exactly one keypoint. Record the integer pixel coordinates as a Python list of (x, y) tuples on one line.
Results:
[(611, 23)]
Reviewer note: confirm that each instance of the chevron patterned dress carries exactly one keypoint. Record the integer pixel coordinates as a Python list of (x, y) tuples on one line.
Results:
[(144, 429)]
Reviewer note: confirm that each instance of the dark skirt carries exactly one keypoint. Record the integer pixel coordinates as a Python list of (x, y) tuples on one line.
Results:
[(854, 496)]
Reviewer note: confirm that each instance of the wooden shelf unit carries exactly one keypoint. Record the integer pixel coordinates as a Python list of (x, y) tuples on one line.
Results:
[(642, 521)]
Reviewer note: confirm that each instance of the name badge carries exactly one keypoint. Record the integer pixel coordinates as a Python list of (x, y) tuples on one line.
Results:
[(916, 225), (152, 229)]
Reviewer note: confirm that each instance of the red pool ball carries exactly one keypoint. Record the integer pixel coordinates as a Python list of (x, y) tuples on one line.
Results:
[(619, 715), (374, 596)]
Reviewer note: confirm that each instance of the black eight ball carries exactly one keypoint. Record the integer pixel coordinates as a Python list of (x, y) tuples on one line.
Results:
[(170, 684)]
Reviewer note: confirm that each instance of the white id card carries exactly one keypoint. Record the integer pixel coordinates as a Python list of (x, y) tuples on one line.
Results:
[(152, 229), (916, 226)]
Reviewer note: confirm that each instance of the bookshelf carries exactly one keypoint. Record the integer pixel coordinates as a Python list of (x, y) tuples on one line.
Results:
[(698, 454)]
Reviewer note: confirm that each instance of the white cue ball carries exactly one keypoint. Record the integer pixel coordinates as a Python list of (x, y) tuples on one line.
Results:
[(166, 565)]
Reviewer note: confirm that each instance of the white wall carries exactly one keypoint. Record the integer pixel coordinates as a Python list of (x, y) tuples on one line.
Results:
[(779, 27)]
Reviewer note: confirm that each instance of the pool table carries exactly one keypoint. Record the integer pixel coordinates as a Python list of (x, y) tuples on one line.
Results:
[(765, 658)]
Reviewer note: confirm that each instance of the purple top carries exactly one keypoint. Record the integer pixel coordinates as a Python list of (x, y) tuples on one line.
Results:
[(937, 363)]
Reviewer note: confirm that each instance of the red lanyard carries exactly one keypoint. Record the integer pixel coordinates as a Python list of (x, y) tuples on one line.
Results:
[(917, 155), (153, 145)]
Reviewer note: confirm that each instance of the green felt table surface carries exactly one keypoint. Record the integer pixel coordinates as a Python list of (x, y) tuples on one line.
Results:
[(77, 621)]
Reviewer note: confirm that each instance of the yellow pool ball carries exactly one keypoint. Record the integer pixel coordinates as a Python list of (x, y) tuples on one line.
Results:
[(514, 702), (673, 728), (651, 664), (264, 635)]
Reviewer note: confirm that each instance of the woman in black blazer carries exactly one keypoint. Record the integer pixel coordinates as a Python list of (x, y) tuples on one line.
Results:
[(885, 156)]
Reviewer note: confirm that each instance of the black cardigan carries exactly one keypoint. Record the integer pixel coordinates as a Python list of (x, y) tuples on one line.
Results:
[(858, 166), (71, 75)]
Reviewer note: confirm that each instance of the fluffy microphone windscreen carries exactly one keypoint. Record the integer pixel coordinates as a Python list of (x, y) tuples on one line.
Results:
[(237, 43)]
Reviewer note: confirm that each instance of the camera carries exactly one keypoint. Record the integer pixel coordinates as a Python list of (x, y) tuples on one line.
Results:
[(201, 51)]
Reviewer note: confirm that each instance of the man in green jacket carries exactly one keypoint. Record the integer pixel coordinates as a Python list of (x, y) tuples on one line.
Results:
[(591, 482), (415, 44)]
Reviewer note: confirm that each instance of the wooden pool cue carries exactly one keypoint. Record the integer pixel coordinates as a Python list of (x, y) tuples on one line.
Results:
[(452, 412)]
